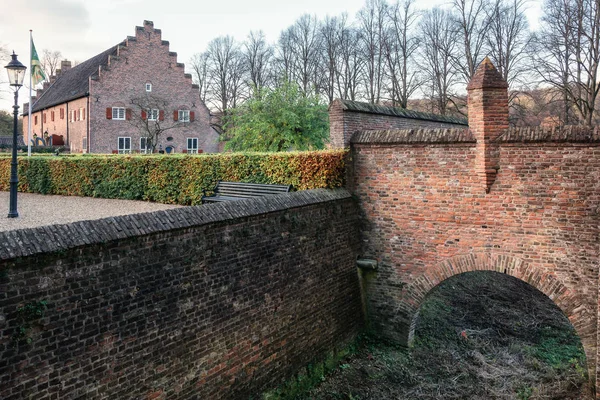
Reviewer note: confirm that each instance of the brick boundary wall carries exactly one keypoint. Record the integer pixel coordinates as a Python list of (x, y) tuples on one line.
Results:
[(349, 117), (426, 218), (220, 301)]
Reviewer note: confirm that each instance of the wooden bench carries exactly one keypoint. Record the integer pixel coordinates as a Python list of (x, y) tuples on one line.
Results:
[(230, 191)]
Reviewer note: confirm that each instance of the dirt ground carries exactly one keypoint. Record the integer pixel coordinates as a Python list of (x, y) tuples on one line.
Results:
[(480, 335)]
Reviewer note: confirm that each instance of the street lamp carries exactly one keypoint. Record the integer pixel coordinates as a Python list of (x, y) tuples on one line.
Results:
[(16, 73)]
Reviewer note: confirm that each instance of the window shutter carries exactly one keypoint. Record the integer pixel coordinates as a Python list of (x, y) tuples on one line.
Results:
[(191, 116), (175, 115), (144, 115), (161, 115), (62, 113), (128, 114), (84, 114), (44, 117), (109, 113)]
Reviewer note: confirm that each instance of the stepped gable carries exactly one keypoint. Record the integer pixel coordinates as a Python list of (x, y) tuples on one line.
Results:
[(73, 83), (398, 112), (487, 76)]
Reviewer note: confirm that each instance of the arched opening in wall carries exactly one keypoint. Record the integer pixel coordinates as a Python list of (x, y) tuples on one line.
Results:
[(484, 335)]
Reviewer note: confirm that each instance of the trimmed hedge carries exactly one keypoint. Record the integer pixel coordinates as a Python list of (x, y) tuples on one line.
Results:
[(172, 179)]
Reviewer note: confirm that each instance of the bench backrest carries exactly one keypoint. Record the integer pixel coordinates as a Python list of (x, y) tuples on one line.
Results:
[(242, 189)]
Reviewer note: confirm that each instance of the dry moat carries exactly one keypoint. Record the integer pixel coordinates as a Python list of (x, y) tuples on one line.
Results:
[(480, 335)]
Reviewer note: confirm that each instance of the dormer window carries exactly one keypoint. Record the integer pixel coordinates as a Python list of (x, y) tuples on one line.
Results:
[(148, 87)]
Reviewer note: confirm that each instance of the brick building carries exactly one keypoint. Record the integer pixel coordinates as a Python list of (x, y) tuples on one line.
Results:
[(106, 103)]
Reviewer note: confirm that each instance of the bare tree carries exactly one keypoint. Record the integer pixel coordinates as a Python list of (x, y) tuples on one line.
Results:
[(471, 27), (349, 77), (148, 116), (567, 55), (50, 62), (332, 31), (400, 45), (224, 72), (283, 60), (199, 65), (438, 50), (257, 57), (305, 53), (371, 19), (508, 38)]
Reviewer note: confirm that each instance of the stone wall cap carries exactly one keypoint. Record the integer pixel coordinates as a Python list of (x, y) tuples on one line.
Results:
[(414, 136), (44, 239), (560, 134), (368, 108)]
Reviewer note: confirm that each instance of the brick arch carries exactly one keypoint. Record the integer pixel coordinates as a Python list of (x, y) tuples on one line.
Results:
[(541, 279)]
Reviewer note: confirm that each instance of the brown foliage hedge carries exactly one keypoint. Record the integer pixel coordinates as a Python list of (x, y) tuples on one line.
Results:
[(172, 179)]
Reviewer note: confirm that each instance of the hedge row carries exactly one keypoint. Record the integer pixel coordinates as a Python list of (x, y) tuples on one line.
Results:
[(172, 179)]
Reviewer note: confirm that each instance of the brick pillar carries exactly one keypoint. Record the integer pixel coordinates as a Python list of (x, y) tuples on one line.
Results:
[(337, 135), (488, 118)]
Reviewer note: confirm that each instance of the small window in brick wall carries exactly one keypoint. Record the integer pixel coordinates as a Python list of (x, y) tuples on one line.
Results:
[(44, 118), (35, 120), (62, 113), (183, 116), (148, 87), (118, 113), (52, 116)]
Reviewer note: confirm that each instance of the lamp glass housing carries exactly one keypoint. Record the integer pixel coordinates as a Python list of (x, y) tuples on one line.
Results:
[(16, 71)]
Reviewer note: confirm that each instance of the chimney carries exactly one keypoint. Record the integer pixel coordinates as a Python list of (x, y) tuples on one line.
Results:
[(488, 118), (65, 65), (38, 92), (52, 79)]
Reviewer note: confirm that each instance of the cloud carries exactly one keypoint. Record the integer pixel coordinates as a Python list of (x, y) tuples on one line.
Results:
[(60, 18)]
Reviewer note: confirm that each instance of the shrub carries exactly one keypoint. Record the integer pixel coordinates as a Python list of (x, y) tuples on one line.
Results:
[(173, 179)]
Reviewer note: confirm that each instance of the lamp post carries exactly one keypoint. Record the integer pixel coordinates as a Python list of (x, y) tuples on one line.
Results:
[(16, 73)]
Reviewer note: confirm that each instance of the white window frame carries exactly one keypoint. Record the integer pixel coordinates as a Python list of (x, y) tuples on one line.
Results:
[(126, 149), (118, 113), (183, 116), (145, 149), (80, 114), (148, 87), (153, 114), (194, 148)]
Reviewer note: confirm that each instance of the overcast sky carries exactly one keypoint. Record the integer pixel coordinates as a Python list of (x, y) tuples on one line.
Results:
[(80, 29)]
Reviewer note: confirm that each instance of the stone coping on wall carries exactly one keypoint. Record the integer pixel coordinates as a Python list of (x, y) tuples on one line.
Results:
[(56, 238), (368, 108), (414, 136), (570, 133)]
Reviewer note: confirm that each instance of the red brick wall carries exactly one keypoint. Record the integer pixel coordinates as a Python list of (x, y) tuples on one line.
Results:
[(426, 218), (147, 59), (72, 130), (215, 302)]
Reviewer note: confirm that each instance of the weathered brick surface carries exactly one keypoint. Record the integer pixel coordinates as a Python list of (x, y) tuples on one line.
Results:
[(487, 102), (425, 218), (210, 302)]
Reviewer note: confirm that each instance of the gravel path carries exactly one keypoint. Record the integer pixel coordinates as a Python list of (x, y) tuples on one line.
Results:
[(38, 210)]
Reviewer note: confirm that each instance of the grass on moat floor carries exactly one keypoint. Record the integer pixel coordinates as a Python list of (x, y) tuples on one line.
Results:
[(480, 335)]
